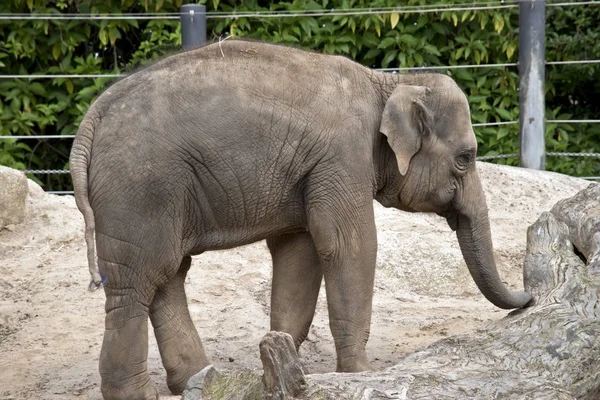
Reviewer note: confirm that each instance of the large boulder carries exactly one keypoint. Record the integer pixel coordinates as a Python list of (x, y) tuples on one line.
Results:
[(13, 196)]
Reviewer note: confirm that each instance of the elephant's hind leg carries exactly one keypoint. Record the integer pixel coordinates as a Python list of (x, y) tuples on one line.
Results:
[(124, 354), (178, 341), (297, 279)]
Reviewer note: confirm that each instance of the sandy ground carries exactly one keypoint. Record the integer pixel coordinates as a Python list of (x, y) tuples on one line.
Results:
[(51, 327)]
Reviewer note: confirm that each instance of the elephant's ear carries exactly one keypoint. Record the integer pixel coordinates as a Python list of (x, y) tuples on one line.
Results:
[(404, 121)]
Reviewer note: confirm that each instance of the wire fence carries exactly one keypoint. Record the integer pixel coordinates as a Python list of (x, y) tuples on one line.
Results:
[(420, 9), (481, 158), (431, 8), (485, 124), (425, 67)]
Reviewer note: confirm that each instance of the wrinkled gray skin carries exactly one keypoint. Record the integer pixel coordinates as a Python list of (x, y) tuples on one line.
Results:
[(242, 141)]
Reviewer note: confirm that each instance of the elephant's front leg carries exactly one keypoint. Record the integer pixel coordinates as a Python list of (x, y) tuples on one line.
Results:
[(297, 279), (178, 341), (346, 241)]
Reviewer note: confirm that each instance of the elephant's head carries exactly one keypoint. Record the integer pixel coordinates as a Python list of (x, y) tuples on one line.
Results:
[(428, 128)]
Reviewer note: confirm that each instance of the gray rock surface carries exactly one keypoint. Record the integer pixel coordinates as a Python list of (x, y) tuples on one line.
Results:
[(13, 196), (195, 385)]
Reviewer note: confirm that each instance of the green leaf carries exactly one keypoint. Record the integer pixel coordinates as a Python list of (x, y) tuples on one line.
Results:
[(37, 88), (498, 23), (56, 50), (504, 114), (431, 49), (102, 36), (402, 59), (305, 25), (372, 53), (387, 42), (394, 18), (510, 50), (409, 40), (461, 74), (439, 28), (502, 132), (418, 59), (69, 86), (389, 57), (477, 98)]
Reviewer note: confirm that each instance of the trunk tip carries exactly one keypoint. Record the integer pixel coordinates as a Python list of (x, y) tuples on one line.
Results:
[(517, 300)]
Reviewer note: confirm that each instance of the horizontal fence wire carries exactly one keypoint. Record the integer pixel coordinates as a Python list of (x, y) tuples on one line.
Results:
[(548, 154), (479, 158), (434, 67), (272, 13), (38, 137), (495, 123), (432, 8), (484, 124), (62, 76), (497, 156), (573, 121), (47, 171)]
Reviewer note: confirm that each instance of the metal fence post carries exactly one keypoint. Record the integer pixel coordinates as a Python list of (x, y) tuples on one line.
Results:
[(532, 30), (193, 25)]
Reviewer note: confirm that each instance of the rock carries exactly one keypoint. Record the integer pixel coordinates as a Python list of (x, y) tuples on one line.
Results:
[(13, 196), (283, 377), (35, 190), (195, 385), (581, 213)]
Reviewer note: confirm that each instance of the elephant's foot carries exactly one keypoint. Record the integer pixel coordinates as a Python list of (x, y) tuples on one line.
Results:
[(354, 364), (178, 341), (177, 378), (141, 389)]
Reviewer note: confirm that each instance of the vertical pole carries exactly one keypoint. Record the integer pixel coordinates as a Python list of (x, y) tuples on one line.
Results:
[(193, 25), (532, 60)]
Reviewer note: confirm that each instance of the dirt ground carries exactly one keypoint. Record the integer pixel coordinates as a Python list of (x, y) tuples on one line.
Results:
[(51, 327)]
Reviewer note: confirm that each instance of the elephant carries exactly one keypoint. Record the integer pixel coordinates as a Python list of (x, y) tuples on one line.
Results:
[(240, 141)]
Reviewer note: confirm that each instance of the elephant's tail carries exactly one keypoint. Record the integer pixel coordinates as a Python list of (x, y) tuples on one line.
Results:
[(79, 164)]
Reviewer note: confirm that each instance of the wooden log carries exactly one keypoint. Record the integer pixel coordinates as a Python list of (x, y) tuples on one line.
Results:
[(550, 351), (283, 376)]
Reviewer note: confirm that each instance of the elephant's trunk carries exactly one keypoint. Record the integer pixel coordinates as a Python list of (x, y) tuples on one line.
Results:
[(474, 237)]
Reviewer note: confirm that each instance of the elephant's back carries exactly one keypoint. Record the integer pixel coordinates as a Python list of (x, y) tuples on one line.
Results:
[(264, 111)]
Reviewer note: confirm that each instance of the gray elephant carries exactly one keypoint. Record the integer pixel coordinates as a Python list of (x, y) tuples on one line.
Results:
[(241, 141)]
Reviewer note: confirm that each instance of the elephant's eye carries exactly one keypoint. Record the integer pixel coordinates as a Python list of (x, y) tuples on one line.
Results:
[(463, 160)]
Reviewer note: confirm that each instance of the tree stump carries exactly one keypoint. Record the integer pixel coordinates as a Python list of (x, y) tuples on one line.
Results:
[(548, 351), (283, 377)]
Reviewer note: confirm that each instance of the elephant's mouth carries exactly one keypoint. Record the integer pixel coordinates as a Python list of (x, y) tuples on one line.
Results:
[(406, 208), (451, 219)]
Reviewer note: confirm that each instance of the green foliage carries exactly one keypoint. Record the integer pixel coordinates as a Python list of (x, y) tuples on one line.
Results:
[(56, 106)]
